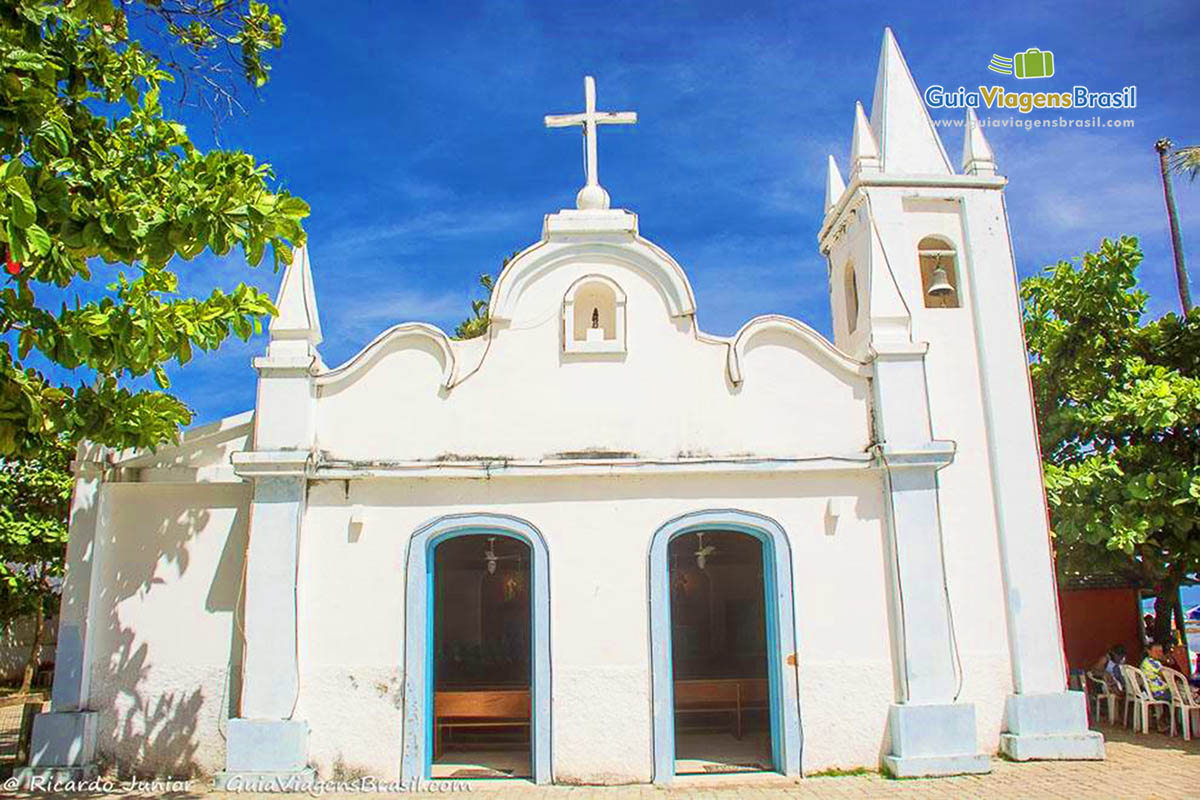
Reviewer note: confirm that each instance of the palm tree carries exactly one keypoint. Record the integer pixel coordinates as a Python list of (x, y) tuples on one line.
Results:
[(1163, 146), (1187, 159)]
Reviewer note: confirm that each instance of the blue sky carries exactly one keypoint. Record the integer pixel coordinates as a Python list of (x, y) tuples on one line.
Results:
[(415, 132)]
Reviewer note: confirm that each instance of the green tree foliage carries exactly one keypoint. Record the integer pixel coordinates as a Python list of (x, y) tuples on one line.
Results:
[(1118, 404), (100, 186), (477, 324), (96, 174), (34, 494), (1187, 160)]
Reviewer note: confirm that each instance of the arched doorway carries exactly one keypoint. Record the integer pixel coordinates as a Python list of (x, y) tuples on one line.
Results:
[(482, 658), (722, 646), (477, 674)]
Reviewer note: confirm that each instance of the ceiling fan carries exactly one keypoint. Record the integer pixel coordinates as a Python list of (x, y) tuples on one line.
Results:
[(491, 559), (703, 552)]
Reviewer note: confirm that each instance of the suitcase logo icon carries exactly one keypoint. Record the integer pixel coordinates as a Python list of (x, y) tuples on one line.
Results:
[(1033, 63)]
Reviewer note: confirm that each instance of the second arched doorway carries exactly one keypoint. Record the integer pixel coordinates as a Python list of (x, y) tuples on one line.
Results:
[(723, 646)]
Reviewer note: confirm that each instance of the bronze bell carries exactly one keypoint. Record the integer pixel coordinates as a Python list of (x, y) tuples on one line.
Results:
[(939, 283)]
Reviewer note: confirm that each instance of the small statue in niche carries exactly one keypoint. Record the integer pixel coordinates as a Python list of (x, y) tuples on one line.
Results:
[(595, 318)]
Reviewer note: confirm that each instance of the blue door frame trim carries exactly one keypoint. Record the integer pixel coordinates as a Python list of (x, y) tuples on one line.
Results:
[(417, 756), (787, 739)]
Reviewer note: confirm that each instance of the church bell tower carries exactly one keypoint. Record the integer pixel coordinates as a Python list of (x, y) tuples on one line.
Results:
[(923, 286)]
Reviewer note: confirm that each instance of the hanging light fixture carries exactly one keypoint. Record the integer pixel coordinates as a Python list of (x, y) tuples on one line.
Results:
[(490, 556), (702, 552), (939, 281)]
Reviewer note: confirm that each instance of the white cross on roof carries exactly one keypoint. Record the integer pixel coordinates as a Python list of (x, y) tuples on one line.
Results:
[(592, 195)]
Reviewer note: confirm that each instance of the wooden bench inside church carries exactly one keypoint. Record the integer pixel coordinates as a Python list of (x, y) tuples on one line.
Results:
[(719, 696), (478, 708)]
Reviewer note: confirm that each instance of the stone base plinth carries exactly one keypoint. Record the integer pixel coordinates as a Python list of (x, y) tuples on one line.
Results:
[(265, 755), (932, 740), (1049, 727), (65, 739)]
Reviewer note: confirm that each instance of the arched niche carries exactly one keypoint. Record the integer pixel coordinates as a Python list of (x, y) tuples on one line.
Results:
[(593, 316), (939, 272)]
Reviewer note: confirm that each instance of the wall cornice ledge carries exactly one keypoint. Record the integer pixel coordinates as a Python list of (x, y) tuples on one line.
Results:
[(326, 468), (924, 455), (896, 351), (861, 181), (300, 365), (263, 463)]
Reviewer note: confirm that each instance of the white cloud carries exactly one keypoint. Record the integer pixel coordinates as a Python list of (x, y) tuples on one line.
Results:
[(1084, 182), (437, 226)]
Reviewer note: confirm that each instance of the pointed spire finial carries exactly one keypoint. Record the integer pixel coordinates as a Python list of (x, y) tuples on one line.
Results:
[(908, 142), (835, 187), (977, 157), (297, 303), (864, 152)]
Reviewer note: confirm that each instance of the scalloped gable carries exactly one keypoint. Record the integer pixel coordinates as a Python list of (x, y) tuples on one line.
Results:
[(405, 335), (802, 337), (522, 391), (597, 237)]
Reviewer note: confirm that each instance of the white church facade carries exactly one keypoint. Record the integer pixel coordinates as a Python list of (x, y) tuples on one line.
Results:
[(596, 544)]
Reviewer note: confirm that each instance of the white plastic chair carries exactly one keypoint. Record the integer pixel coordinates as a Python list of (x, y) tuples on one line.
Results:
[(1137, 694), (1182, 703), (1099, 690)]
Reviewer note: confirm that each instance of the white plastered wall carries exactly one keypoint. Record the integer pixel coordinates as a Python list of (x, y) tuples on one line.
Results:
[(669, 396), (598, 533), (901, 218), (956, 414), (170, 568)]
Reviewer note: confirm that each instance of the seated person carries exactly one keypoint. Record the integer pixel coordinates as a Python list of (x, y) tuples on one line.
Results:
[(1156, 681), (1177, 657), (1108, 668)]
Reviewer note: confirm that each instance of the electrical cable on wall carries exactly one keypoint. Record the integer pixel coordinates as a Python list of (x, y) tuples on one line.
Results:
[(958, 670), (491, 331), (296, 611), (952, 632), (887, 477)]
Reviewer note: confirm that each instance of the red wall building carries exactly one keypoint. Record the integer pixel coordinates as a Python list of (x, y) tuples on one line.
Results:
[(1095, 619)]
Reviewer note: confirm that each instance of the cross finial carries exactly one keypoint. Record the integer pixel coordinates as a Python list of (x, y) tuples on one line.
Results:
[(592, 195)]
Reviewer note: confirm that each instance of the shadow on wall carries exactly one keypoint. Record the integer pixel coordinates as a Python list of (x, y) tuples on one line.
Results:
[(149, 720)]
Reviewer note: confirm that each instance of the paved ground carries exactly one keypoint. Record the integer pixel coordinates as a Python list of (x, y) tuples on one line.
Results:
[(1152, 766)]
